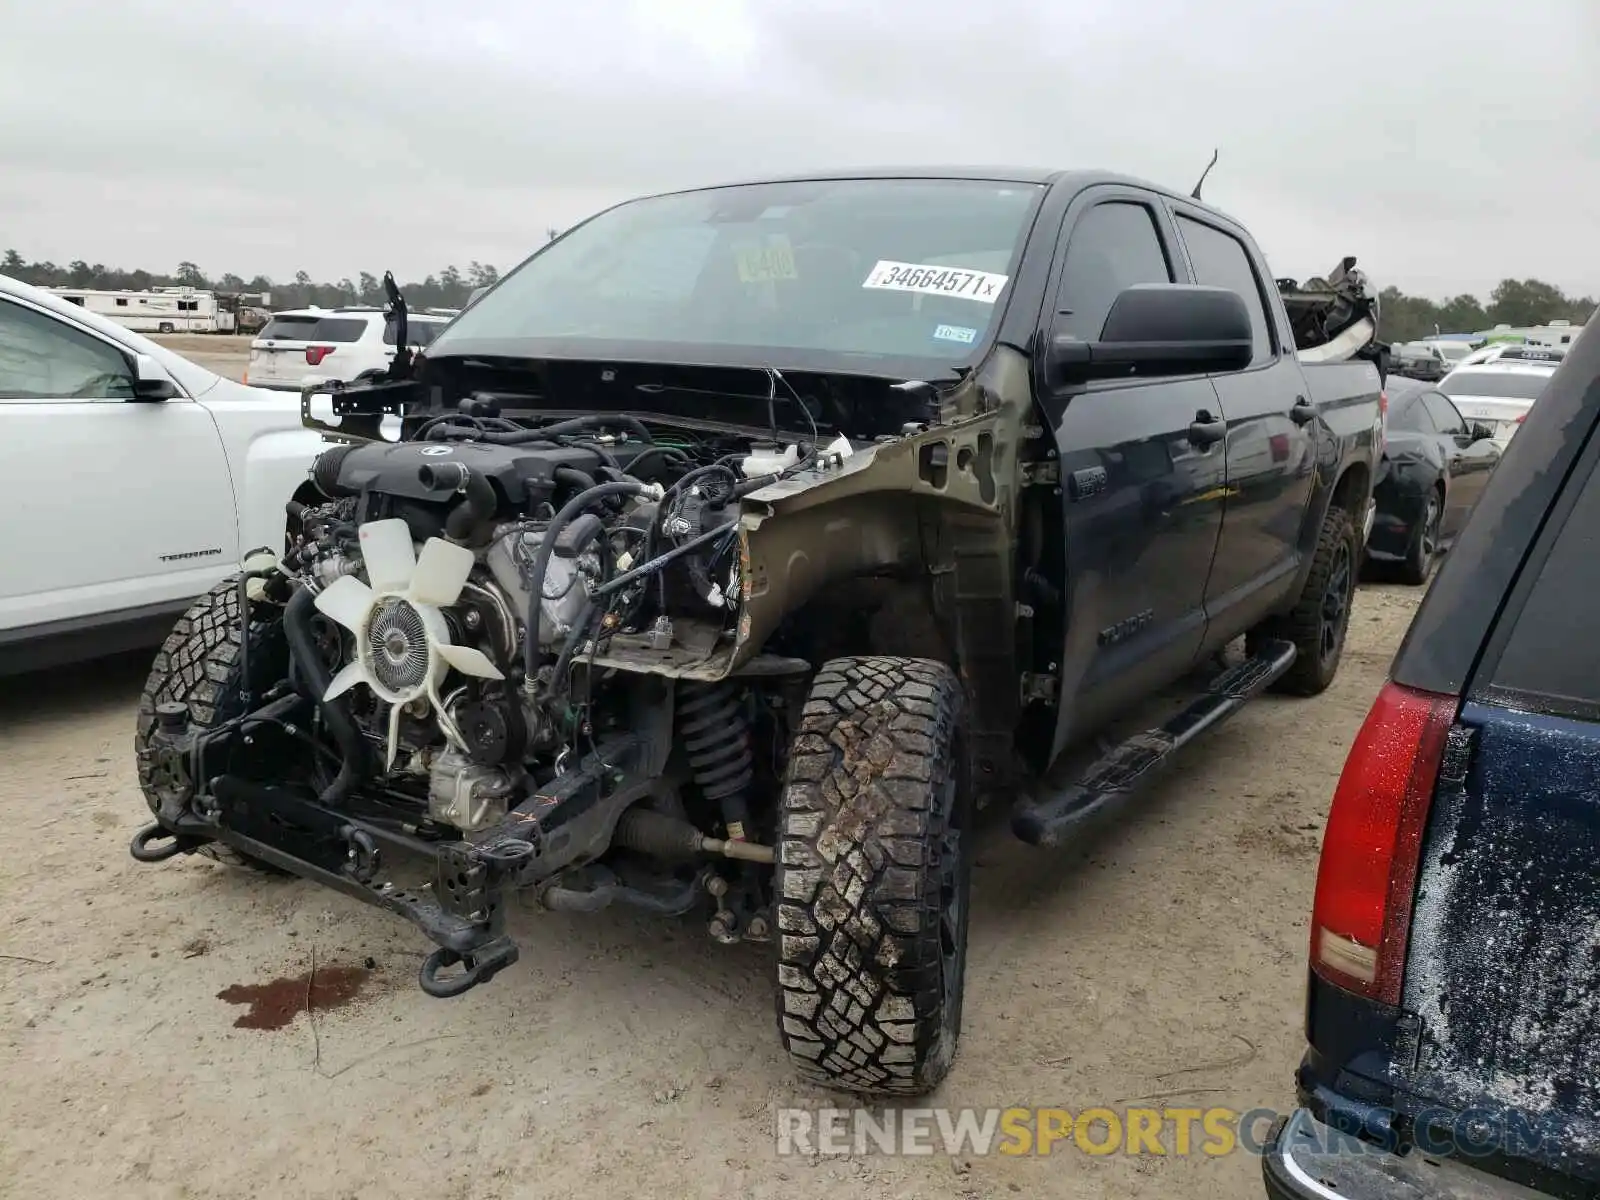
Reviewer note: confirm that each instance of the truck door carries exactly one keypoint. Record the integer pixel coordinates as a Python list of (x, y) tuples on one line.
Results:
[(1270, 431), (115, 508), (1139, 497)]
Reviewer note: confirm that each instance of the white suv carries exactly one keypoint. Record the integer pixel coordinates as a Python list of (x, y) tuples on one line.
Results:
[(135, 480), (314, 345)]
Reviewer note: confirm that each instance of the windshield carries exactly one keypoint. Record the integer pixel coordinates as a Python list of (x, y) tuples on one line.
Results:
[(1507, 385), (890, 268), (1454, 352)]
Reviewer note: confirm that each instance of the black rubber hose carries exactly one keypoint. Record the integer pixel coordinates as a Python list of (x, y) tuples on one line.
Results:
[(662, 559), (588, 623), (541, 562), (595, 421), (437, 433), (576, 478), (477, 506), (546, 433), (582, 629), (303, 648), (666, 452)]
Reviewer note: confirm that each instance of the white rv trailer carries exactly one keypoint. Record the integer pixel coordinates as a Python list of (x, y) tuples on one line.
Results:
[(158, 310)]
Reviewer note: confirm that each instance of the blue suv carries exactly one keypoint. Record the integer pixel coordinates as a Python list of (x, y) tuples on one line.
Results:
[(1453, 1010)]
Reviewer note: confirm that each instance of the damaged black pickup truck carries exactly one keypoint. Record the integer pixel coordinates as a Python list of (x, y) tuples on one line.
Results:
[(740, 548)]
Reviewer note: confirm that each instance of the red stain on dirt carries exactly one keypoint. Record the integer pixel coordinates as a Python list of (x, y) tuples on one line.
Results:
[(274, 1005)]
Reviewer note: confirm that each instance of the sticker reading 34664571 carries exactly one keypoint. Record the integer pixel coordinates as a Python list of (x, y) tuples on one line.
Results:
[(982, 286)]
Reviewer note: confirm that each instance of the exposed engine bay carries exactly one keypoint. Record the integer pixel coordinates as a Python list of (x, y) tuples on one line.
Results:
[(494, 623), (469, 662)]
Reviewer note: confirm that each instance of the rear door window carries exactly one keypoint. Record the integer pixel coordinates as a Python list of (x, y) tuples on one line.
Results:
[(1220, 260), (1445, 417), (1410, 415), (1113, 246), (314, 329), (1549, 659)]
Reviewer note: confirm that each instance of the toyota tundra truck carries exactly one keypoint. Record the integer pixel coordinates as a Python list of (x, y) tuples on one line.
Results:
[(746, 545)]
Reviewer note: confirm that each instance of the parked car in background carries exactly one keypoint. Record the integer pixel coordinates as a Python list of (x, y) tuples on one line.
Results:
[(1453, 352), (1500, 391), (1419, 360), (316, 345), (1433, 470), (135, 480), (1513, 352), (1454, 984)]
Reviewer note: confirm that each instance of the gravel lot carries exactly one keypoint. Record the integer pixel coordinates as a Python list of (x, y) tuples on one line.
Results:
[(622, 1054), (225, 355)]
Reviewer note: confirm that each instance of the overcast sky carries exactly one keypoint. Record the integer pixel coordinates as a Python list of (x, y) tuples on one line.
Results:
[(1446, 145)]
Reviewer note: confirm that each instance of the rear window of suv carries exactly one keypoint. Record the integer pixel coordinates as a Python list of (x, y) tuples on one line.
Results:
[(1542, 663), (1506, 385), (314, 329)]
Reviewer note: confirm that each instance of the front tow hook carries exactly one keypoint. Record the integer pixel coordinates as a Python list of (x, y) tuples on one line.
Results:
[(480, 966), (155, 843)]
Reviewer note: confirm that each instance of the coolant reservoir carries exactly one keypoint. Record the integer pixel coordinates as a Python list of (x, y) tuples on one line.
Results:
[(769, 461)]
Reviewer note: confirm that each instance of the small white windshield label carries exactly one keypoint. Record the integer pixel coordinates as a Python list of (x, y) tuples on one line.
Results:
[(982, 286)]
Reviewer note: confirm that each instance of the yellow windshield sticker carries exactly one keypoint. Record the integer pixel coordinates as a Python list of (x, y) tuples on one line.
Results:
[(764, 263)]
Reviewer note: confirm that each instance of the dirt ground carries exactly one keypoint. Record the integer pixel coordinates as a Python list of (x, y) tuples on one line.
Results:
[(623, 1054), (224, 354)]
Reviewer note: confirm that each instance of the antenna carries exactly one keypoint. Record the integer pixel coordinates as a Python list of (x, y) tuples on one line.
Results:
[(1196, 193)]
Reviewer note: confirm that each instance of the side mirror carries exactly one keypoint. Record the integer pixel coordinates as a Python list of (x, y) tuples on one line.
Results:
[(1156, 329), (150, 382)]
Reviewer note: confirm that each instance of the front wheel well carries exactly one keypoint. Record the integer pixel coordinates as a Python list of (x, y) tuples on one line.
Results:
[(869, 614)]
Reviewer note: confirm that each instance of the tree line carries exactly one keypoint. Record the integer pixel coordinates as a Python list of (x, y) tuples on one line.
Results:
[(1404, 318), (448, 288), (1514, 302)]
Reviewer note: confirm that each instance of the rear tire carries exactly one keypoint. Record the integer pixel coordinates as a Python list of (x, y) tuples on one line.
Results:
[(873, 876), (201, 665), (1424, 547), (164, 327), (1320, 618)]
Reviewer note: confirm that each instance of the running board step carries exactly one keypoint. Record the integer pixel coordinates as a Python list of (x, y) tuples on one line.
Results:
[(1046, 819)]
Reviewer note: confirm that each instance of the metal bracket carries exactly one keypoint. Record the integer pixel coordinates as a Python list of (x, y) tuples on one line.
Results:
[(1041, 474)]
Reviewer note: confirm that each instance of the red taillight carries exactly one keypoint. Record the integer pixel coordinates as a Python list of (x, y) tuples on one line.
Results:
[(1370, 849), (1521, 417), (1383, 403), (315, 354)]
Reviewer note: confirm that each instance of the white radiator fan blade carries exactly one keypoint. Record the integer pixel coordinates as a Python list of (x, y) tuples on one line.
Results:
[(404, 654), (386, 550), (346, 601), (469, 661), (440, 573)]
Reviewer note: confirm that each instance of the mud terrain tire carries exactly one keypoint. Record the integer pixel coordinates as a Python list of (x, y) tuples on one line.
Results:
[(1321, 617), (873, 875), (201, 665)]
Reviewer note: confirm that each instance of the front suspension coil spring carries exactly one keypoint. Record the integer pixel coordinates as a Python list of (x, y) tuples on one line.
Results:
[(716, 737)]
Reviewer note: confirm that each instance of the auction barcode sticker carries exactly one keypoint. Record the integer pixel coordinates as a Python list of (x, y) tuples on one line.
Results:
[(935, 281)]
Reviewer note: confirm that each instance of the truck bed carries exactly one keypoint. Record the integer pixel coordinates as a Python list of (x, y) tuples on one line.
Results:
[(1335, 318)]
